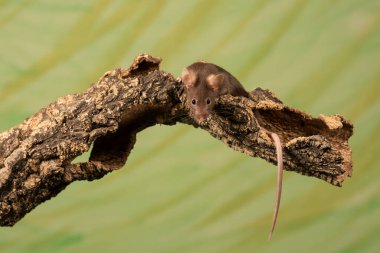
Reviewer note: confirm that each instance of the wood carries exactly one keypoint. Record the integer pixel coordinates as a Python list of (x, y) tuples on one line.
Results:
[(36, 157)]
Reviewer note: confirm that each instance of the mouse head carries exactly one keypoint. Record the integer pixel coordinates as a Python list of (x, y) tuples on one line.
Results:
[(202, 88)]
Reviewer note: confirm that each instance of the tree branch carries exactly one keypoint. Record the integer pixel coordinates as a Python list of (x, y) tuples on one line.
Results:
[(36, 157)]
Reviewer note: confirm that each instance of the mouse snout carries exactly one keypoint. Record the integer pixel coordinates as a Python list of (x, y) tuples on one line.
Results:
[(201, 115)]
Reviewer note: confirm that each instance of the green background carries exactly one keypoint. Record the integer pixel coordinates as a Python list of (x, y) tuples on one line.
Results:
[(182, 190)]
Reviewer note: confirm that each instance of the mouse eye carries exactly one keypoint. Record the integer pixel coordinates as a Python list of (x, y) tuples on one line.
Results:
[(208, 101), (193, 101)]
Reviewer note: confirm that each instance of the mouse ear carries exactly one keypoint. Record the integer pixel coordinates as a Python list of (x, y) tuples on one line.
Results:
[(215, 82), (188, 78)]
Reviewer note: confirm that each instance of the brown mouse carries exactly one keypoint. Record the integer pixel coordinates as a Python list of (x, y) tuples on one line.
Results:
[(204, 82)]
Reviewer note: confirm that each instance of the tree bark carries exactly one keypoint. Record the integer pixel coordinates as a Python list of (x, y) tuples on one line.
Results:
[(36, 157)]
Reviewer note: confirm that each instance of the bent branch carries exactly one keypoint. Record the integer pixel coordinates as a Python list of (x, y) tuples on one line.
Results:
[(36, 157)]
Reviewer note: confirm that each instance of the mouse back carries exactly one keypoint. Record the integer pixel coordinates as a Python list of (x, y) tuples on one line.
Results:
[(218, 79)]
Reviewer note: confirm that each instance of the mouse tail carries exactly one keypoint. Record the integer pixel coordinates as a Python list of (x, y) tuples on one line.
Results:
[(277, 143)]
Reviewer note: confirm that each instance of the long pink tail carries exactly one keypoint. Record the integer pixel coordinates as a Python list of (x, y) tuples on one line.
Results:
[(277, 143)]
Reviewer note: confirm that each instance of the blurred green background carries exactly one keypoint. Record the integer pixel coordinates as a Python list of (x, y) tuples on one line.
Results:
[(182, 190)]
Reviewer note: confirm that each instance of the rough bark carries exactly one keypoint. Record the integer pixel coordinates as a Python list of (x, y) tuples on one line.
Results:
[(36, 157)]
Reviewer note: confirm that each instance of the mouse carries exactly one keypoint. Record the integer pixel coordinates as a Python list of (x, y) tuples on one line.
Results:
[(204, 82)]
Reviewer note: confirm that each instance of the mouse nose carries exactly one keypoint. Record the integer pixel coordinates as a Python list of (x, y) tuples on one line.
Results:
[(201, 116)]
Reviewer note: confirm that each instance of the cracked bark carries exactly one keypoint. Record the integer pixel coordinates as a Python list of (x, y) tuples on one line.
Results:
[(36, 157)]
